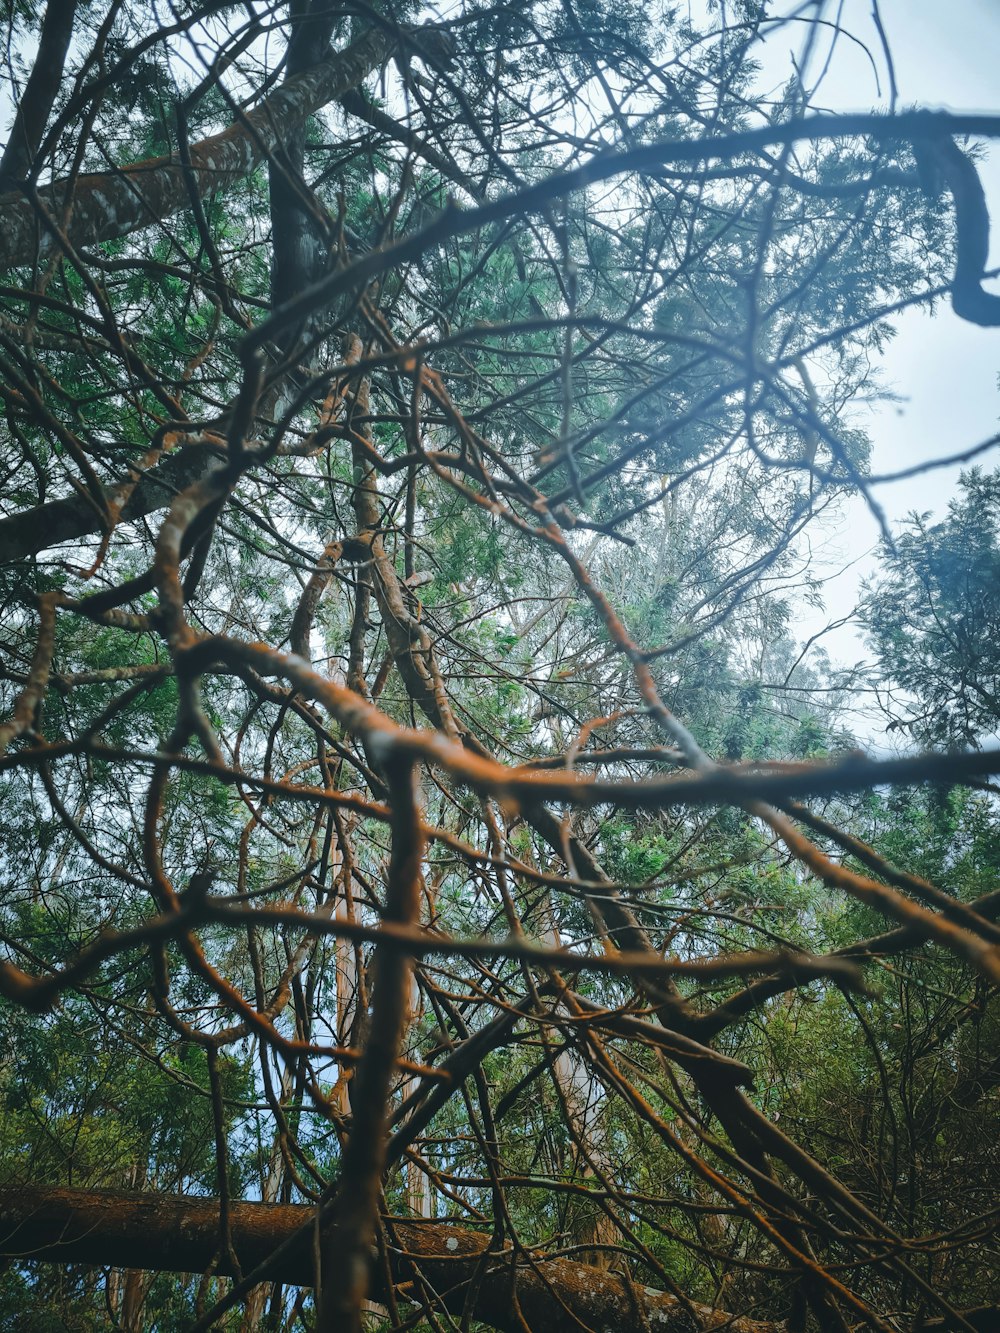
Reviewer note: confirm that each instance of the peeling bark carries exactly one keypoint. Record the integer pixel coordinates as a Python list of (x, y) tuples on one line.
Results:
[(171, 1233)]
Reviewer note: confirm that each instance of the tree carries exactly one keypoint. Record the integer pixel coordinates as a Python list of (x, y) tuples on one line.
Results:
[(938, 597), (436, 886)]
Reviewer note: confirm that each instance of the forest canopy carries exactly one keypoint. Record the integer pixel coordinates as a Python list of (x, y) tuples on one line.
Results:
[(442, 886)]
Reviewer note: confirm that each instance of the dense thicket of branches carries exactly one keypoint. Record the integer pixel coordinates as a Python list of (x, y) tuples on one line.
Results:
[(438, 887)]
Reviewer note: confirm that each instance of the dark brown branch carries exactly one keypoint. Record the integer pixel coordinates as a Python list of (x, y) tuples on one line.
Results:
[(347, 1249), (60, 521), (972, 231), (39, 93), (915, 126)]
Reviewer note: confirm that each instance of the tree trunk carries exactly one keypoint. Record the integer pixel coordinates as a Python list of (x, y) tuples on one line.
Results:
[(172, 1233), (581, 1096), (39, 93)]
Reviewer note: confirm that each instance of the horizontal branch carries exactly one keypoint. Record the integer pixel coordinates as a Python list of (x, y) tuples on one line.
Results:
[(113, 204), (917, 127), (57, 522), (172, 1233), (528, 785)]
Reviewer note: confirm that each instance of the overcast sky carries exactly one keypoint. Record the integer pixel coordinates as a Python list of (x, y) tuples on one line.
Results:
[(946, 54)]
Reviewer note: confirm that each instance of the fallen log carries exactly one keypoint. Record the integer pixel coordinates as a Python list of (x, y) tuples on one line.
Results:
[(176, 1233)]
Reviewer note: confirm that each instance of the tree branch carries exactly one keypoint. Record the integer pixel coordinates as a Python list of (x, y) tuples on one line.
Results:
[(112, 204), (171, 1233)]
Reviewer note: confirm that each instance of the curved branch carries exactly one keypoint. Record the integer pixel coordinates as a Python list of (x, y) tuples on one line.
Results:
[(972, 232)]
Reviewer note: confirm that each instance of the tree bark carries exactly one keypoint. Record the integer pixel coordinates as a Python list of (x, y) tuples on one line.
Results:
[(172, 1233), (299, 254), (39, 93)]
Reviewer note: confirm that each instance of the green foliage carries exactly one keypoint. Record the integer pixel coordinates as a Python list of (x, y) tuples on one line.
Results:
[(564, 468), (933, 618), (109, 1114)]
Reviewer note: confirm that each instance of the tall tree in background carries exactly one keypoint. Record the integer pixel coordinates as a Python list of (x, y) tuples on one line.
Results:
[(934, 617), (434, 884)]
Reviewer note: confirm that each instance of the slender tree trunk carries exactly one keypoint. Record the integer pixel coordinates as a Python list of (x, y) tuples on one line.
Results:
[(581, 1095), (39, 93)]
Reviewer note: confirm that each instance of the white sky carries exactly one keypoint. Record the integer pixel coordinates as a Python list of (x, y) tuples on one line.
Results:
[(946, 54)]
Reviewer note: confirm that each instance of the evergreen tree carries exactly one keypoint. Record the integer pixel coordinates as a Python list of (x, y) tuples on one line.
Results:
[(435, 884)]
